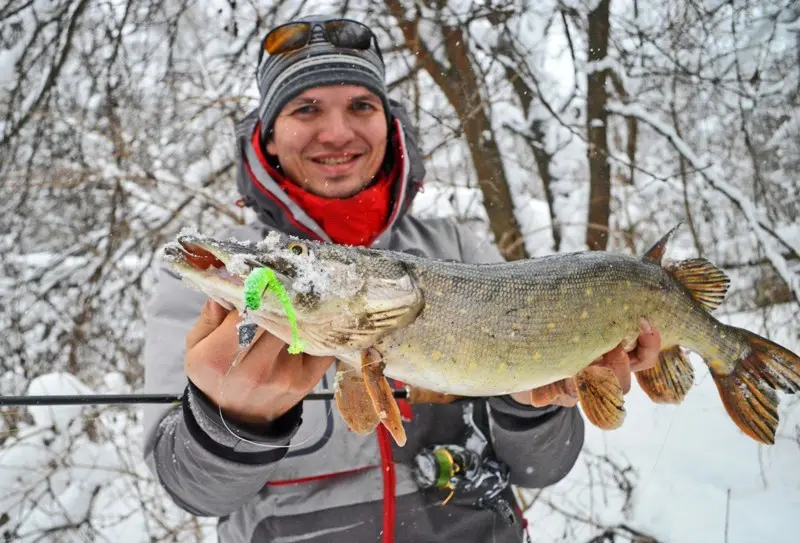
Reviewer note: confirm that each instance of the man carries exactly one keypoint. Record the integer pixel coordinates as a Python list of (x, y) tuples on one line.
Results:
[(328, 156)]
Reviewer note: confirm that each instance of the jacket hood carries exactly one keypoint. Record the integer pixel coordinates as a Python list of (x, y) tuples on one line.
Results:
[(273, 206)]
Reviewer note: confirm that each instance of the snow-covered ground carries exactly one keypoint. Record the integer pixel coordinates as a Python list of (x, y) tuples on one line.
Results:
[(59, 473)]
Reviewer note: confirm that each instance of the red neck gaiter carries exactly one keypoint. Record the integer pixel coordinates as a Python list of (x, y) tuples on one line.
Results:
[(357, 220)]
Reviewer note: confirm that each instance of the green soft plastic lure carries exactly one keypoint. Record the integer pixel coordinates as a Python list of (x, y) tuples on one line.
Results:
[(259, 281)]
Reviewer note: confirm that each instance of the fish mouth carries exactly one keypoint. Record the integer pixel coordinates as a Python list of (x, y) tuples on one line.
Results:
[(211, 260), (194, 255)]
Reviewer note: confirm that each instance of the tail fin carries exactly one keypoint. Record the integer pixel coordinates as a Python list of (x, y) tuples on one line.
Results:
[(748, 392)]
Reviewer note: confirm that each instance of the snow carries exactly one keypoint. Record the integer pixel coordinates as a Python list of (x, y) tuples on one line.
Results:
[(536, 225), (8, 61), (691, 456), (54, 476), (55, 383), (198, 173), (450, 201), (239, 264), (317, 269)]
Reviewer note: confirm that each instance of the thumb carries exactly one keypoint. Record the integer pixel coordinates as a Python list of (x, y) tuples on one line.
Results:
[(211, 316)]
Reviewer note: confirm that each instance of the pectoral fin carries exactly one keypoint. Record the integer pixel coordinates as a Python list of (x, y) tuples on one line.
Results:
[(354, 402), (381, 395), (601, 397), (670, 380)]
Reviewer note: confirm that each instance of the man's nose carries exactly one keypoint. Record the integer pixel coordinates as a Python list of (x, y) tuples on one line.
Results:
[(336, 129)]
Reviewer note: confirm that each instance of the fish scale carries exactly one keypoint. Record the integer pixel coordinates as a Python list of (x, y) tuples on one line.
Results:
[(560, 313)]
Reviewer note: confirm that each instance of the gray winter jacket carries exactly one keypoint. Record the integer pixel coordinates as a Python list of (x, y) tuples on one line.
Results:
[(331, 485)]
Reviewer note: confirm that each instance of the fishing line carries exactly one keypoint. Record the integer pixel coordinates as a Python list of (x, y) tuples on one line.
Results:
[(258, 282), (352, 369), (663, 446), (235, 361), (666, 437)]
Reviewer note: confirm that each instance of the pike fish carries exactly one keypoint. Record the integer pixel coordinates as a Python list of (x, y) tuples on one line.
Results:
[(449, 329)]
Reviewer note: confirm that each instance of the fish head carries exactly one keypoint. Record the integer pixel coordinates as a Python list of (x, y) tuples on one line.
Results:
[(343, 297)]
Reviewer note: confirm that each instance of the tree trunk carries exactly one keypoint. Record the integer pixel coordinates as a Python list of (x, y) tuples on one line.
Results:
[(535, 138), (461, 87), (596, 119)]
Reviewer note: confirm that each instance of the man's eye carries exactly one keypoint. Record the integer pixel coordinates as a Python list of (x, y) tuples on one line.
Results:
[(305, 110), (363, 106)]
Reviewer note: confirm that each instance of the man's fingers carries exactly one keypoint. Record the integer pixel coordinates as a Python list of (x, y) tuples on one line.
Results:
[(543, 396), (571, 387), (618, 362), (645, 356), (271, 354), (565, 401), (211, 316), (266, 344)]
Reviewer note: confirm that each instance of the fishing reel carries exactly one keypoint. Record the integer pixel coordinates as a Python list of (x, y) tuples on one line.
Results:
[(466, 468), (456, 468)]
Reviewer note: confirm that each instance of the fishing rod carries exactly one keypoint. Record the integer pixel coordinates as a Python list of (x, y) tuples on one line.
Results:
[(121, 399)]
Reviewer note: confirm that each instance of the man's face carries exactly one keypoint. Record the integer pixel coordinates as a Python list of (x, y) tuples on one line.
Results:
[(331, 140)]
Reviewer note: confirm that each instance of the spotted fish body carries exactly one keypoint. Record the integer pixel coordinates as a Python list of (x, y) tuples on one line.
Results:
[(490, 329), (501, 328)]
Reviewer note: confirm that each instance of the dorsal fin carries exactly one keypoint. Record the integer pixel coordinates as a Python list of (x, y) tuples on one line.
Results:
[(706, 283), (656, 252)]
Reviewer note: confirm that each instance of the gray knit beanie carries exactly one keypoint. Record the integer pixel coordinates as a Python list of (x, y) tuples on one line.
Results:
[(284, 76)]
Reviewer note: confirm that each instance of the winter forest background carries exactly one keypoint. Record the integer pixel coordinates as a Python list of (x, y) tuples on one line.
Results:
[(550, 126)]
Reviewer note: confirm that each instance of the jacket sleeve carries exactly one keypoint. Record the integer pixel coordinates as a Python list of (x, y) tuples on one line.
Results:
[(539, 444), (208, 468)]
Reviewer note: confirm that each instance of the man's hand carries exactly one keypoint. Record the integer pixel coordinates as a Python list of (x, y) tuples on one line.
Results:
[(644, 355), (266, 382)]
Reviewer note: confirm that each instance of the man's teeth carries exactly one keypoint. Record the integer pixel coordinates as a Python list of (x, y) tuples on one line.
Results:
[(335, 160)]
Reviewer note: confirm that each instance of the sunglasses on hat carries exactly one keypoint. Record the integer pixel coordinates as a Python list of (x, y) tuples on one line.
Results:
[(344, 33)]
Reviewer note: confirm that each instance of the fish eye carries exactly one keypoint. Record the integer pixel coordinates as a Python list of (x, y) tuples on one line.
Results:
[(297, 248)]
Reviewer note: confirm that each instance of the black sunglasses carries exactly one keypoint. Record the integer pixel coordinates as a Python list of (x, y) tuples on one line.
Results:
[(344, 33)]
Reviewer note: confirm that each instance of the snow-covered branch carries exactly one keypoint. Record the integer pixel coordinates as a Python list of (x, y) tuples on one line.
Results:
[(745, 205)]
